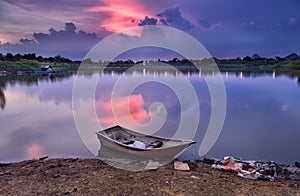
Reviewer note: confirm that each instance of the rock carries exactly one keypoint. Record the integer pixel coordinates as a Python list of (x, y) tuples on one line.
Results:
[(180, 166)]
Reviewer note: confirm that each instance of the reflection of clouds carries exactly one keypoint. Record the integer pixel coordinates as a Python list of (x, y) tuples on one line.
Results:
[(34, 151), (133, 104), (31, 128), (284, 107), (59, 92)]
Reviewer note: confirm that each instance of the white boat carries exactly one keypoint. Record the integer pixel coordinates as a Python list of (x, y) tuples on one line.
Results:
[(128, 142)]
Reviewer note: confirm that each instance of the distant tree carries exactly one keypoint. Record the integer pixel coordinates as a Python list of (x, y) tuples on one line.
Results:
[(39, 58), (50, 59), (247, 58), (139, 62), (278, 58), (9, 57), (87, 61), (18, 56), (29, 56), (129, 61)]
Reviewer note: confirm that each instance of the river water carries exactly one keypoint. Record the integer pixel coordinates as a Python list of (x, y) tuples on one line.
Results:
[(36, 115)]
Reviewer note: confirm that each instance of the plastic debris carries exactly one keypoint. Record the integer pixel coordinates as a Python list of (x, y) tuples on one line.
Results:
[(255, 170)]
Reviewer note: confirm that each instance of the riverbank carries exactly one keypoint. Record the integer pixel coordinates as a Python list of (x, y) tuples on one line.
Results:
[(93, 177), (289, 67)]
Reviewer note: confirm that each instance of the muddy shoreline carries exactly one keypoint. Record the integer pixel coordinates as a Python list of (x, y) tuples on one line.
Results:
[(94, 177)]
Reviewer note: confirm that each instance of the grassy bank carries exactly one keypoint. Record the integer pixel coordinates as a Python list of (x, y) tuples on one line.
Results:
[(291, 68), (12, 66)]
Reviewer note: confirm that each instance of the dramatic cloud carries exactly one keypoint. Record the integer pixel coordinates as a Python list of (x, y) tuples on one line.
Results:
[(122, 14), (148, 21), (133, 104), (18, 23), (68, 43), (60, 11), (172, 17), (227, 28)]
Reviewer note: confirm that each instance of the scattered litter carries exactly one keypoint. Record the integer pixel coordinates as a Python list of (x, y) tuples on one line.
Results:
[(194, 177), (152, 165), (43, 158), (256, 170), (180, 166)]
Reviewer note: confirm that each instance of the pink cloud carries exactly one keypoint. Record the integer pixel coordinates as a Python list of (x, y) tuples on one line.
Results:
[(122, 14), (127, 110)]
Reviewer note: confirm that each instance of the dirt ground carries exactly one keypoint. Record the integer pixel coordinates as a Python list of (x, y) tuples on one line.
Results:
[(93, 177)]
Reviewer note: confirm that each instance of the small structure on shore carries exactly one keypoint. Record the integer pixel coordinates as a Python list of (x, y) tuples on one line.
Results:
[(46, 68)]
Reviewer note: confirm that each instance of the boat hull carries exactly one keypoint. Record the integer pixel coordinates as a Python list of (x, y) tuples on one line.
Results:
[(170, 148)]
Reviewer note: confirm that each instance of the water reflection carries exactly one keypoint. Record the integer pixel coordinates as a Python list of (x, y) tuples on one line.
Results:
[(2, 99), (261, 123)]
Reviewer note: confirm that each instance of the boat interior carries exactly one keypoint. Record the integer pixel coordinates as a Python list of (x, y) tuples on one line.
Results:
[(127, 137)]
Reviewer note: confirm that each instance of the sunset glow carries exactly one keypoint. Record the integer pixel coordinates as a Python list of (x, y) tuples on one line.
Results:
[(122, 14), (33, 152)]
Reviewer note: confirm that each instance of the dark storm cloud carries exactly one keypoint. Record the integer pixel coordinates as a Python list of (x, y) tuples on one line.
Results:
[(68, 43), (172, 17), (148, 21)]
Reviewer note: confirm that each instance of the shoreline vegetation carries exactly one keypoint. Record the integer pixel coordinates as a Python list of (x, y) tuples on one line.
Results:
[(30, 63), (71, 176)]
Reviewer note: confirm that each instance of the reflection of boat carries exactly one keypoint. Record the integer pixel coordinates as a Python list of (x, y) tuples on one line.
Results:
[(131, 143)]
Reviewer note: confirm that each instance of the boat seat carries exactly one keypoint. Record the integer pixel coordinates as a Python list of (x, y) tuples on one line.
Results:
[(156, 144), (125, 141)]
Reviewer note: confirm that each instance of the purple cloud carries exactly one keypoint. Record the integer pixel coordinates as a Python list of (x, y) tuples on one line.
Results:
[(67, 43), (148, 21), (228, 29), (172, 17)]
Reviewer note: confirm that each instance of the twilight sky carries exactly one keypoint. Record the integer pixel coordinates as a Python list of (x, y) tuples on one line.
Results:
[(226, 28)]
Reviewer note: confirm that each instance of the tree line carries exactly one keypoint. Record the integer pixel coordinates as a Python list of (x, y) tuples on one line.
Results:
[(33, 57)]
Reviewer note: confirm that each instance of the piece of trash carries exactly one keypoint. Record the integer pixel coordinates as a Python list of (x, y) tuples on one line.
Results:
[(228, 164), (151, 165), (256, 170), (194, 177), (180, 166), (43, 158)]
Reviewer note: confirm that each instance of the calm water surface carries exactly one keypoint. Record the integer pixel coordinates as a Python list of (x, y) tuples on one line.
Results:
[(262, 119)]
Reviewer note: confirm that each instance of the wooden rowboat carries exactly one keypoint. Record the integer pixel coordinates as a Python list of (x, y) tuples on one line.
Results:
[(128, 142)]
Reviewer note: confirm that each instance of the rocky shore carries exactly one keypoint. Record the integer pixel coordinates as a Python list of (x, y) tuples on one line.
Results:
[(94, 177)]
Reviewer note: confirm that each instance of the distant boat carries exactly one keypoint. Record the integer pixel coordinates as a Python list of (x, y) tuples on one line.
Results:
[(128, 142), (46, 69)]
